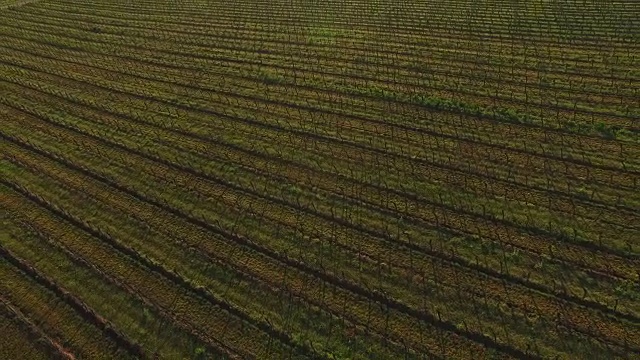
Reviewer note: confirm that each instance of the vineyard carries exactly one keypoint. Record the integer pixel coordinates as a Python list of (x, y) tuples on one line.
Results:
[(354, 179)]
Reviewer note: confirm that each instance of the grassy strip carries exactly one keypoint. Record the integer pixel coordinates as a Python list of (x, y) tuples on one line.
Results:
[(54, 315), (24, 339), (88, 314)]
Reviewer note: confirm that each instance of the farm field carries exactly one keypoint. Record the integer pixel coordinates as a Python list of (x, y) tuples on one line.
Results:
[(355, 179)]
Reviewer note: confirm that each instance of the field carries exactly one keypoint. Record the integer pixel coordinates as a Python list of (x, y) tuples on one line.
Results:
[(295, 179)]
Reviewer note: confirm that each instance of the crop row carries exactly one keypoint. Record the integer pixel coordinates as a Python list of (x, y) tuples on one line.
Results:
[(604, 181), (287, 15), (385, 190), (68, 321), (336, 180), (122, 205), (168, 66), (409, 76), (229, 29), (134, 315)]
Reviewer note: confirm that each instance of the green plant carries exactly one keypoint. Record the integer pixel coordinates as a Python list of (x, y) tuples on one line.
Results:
[(271, 78), (200, 352)]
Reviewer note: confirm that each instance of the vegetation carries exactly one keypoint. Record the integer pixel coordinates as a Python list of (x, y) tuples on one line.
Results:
[(320, 180)]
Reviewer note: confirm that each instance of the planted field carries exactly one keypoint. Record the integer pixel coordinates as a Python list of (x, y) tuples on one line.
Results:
[(314, 180)]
